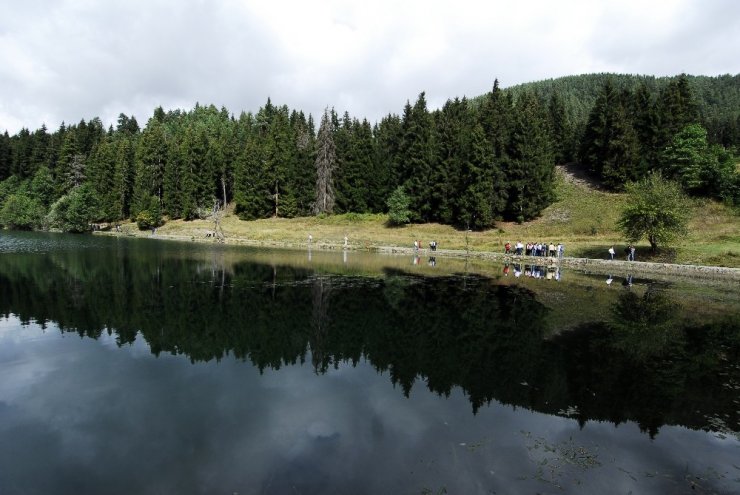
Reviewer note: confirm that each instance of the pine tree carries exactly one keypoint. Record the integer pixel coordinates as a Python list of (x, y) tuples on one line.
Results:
[(304, 175), (476, 202), (530, 168), (688, 159), (447, 177), (151, 159), (101, 176), (387, 144), (610, 148), (417, 156), (561, 129), (326, 159), (5, 156)]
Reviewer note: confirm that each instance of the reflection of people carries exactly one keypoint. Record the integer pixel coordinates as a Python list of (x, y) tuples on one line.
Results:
[(609, 280), (506, 270), (432, 261)]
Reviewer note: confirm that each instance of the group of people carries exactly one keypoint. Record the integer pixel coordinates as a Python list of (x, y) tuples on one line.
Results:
[(432, 245), (541, 249), (629, 251), (534, 271)]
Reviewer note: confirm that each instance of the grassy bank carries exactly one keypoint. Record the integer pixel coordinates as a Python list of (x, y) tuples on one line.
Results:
[(583, 218)]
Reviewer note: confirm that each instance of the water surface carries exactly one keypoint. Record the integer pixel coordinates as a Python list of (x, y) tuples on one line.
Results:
[(138, 366)]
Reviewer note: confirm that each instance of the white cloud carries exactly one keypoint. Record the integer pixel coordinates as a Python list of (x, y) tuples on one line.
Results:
[(67, 60)]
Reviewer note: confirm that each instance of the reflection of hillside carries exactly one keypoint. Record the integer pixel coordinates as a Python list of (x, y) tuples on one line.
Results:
[(640, 363)]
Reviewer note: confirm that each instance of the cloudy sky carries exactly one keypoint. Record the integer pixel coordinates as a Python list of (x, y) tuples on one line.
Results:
[(73, 59)]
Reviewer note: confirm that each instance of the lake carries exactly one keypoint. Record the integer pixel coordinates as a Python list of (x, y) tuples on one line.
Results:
[(143, 366)]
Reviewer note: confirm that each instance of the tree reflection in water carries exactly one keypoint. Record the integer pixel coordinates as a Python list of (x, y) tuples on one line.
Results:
[(642, 362)]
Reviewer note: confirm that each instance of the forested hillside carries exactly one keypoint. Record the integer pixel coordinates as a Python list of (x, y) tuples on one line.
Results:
[(467, 164), (718, 98)]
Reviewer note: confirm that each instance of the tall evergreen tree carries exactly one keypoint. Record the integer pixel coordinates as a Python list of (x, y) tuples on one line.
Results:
[(417, 154), (387, 145), (476, 197), (561, 129), (647, 127), (5, 156), (326, 159), (151, 159), (610, 147), (530, 167)]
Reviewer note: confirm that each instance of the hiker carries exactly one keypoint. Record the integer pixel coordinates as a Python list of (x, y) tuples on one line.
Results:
[(632, 252), (507, 248), (611, 253)]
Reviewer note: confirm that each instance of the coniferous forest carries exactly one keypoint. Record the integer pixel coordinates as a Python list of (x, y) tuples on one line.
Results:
[(468, 164)]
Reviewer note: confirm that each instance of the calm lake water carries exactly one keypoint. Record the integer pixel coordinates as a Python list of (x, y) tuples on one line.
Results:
[(137, 366)]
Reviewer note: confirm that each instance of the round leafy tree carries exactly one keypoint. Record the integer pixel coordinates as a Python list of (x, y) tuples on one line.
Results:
[(656, 209)]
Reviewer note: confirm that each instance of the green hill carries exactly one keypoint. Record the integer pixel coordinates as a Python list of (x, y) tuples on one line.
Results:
[(718, 97)]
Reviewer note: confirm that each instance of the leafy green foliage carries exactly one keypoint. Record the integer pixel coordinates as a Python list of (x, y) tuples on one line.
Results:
[(151, 216), (398, 207), (74, 212), (656, 209), (21, 212)]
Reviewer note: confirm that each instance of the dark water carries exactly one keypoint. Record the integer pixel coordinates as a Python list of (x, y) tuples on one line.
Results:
[(136, 366)]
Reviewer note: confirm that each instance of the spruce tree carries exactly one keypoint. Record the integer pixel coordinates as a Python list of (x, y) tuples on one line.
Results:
[(151, 159), (326, 159), (5, 156), (530, 166), (417, 154)]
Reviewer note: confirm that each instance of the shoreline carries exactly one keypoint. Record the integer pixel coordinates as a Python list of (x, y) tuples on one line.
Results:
[(587, 265)]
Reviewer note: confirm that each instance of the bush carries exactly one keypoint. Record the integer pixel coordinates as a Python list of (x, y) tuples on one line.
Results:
[(21, 212), (75, 211), (145, 220), (150, 217)]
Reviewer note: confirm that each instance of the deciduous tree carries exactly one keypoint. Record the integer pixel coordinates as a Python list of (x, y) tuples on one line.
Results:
[(656, 209)]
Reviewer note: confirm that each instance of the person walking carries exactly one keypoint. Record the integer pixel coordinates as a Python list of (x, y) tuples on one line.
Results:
[(611, 253)]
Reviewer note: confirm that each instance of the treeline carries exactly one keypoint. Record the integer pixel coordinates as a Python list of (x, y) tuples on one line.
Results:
[(459, 165), (467, 164)]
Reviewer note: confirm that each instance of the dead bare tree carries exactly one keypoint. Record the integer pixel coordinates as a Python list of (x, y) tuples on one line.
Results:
[(326, 160)]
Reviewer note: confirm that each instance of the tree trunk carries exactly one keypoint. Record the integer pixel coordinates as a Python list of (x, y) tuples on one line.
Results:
[(653, 243)]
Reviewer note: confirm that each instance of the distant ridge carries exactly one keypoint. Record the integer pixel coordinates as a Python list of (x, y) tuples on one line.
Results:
[(718, 96)]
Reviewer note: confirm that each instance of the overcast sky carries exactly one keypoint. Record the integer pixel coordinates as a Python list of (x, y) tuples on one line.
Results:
[(73, 59)]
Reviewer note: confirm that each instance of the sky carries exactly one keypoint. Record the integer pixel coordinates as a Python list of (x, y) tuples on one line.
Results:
[(66, 60)]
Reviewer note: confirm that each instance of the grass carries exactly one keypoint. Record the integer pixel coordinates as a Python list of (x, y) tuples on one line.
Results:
[(583, 218)]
